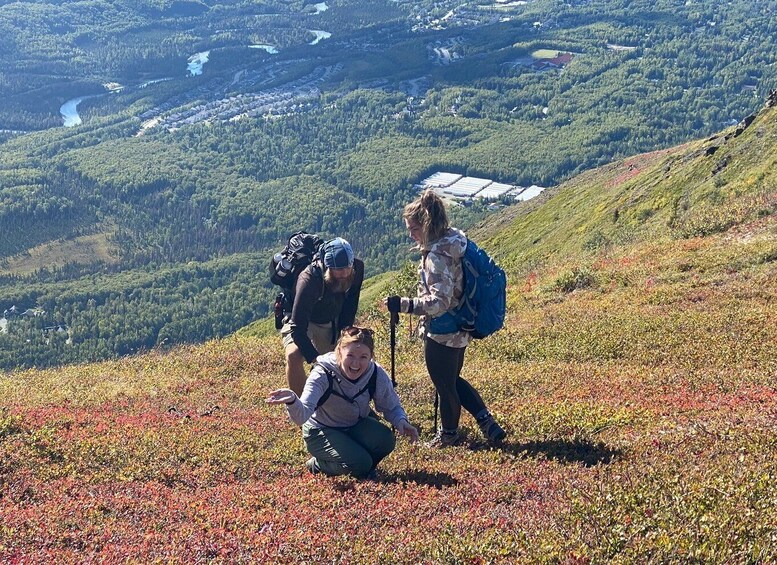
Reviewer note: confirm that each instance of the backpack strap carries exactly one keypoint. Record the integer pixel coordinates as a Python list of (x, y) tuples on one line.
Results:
[(447, 322), (331, 378), (372, 384), (370, 387), (320, 271)]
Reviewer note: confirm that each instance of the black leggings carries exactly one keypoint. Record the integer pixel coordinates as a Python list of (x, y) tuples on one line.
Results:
[(444, 365)]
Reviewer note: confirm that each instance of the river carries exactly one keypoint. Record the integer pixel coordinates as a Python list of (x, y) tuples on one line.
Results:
[(154, 81), (272, 50), (196, 62), (69, 110), (319, 35)]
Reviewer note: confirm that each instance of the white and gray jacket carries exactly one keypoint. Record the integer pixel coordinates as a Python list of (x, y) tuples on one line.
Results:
[(337, 412), (441, 284)]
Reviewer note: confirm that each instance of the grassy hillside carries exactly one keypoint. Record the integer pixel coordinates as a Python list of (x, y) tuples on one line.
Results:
[(697, 189), (57, 254), (636, 377)]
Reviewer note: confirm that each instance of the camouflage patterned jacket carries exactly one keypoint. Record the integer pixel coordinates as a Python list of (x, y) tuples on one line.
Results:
[(440, 268)]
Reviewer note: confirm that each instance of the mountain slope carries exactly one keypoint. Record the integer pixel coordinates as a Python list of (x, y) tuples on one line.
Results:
[(698, 188), (636, 379)]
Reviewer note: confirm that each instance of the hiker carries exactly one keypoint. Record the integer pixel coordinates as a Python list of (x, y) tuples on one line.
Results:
[(439, 291), (338, 428), (325, 300)]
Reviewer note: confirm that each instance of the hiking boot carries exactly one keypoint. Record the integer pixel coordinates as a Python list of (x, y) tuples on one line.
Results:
[(491, 429), (444, 439), (312, 466)]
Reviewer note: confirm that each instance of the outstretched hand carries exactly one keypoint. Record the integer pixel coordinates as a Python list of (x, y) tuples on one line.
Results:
[(281, 396), (406, 429)]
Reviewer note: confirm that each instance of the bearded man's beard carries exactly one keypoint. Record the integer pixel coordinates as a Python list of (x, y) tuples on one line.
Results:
[(338, 285)]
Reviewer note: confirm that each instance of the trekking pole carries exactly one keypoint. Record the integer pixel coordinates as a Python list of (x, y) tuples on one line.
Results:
[(394, 320), (393, 343), (436, 406)]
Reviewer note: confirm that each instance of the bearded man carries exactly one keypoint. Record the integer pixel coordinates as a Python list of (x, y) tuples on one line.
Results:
[(325, 301)]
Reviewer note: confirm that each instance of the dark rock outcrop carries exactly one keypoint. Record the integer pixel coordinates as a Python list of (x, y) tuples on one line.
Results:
[(771, 100)]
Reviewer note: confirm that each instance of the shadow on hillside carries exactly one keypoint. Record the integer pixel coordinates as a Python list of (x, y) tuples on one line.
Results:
[(566, 451), (435, 480)]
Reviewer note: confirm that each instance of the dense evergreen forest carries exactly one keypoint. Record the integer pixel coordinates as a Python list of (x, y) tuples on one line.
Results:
[(151, 222)]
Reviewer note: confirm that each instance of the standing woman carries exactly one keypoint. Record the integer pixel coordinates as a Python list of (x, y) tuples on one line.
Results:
[(439, 290)]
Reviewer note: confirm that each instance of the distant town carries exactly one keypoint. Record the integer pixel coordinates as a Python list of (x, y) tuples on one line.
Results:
[(14, 312)]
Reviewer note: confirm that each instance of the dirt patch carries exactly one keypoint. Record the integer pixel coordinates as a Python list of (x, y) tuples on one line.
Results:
[(759, 230)]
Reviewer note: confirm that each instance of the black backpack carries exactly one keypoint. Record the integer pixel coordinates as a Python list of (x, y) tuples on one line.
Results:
[(287, 264), (369, 387)]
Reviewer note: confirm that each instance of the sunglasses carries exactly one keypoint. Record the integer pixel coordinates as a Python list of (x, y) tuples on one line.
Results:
[(356, 331)]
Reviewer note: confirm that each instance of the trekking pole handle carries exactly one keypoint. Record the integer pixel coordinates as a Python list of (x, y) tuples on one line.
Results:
[(393, 304)]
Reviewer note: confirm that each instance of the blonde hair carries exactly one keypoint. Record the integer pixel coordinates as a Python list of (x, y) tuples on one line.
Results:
[(355, 334), (428, 211)]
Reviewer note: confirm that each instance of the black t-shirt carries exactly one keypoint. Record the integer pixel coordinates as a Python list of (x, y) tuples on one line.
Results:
[(313, 302)]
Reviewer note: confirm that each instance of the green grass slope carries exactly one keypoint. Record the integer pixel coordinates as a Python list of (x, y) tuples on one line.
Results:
[(697, 189), (636, 376)]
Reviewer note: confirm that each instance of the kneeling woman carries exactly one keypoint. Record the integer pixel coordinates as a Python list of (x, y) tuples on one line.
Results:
[(334, 410)]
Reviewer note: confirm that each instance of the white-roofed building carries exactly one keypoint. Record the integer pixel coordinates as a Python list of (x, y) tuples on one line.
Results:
[(453, 185), (495, 190), (529, 193), (439, 180), (466, 187)]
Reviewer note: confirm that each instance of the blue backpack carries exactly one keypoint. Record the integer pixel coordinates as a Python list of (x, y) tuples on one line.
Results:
[(483, 304)]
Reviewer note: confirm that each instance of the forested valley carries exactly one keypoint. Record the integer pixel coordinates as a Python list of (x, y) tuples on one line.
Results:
[(117, 235)]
